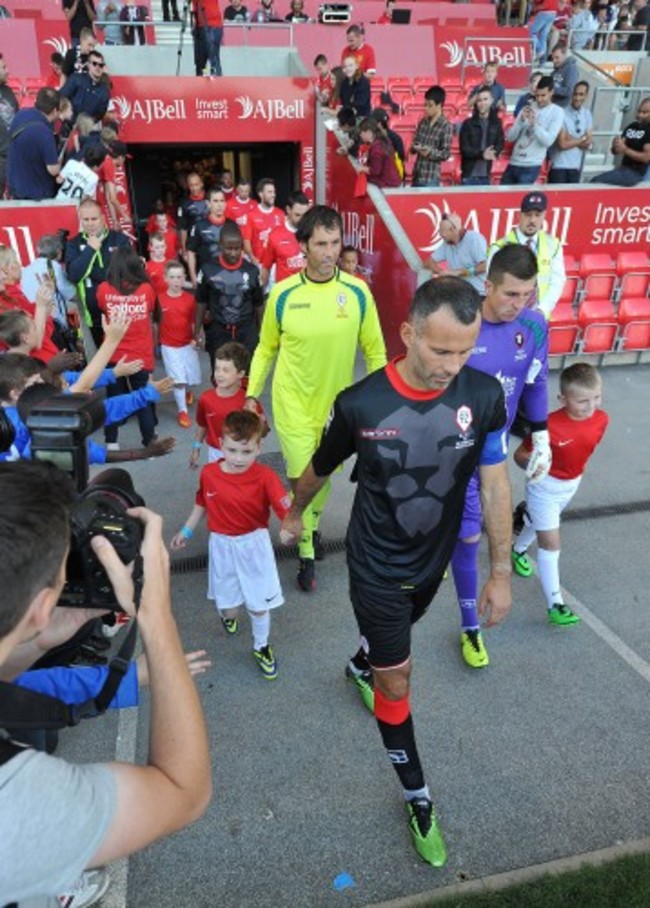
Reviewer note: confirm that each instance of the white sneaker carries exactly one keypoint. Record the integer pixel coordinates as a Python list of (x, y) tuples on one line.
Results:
[(85, 891), (112, 446)]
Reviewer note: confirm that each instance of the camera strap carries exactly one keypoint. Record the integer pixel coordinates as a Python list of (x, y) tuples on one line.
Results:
[(119, 664)]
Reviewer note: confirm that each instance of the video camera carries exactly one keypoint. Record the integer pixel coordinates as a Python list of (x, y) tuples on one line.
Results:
[(59, 427)]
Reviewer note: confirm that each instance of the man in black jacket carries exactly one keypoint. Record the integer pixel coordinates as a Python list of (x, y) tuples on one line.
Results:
[(89, 92), (86, 259), (481, 141)]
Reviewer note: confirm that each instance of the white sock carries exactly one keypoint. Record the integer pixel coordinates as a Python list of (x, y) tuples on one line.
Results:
[(524, 540), (261, 626), (179, 397), (411, 795), (548, 566)]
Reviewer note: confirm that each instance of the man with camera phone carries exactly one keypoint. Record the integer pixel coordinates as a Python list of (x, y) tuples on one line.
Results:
[(107, 810)]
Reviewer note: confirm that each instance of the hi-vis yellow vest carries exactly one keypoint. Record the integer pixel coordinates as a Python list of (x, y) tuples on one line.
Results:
[(547, 248)]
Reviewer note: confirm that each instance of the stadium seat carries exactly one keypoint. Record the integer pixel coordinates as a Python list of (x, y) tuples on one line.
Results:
[(598, 276), (498, 168), (634, 321), (563, 330), (571, 264), (450, 171), (16, 86), (633, 269), (33, 86), (413, 106), (449, 82), (421, 84), (570, 289), (599, 326), (377, 84)]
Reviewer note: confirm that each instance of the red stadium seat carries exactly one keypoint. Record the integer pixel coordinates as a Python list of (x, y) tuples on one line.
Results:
[(598, 276), (450, 171), (599, 325), (633, 269), (449, 82), (570, 289), (399, 83), (33, 86), (421, 84), (16, 86), (498, 168), (634, 321), (413, 106), (563, 330), (377, 83), (571, 264)]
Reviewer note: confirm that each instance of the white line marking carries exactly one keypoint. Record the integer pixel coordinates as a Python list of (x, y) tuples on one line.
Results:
[(127, 729)]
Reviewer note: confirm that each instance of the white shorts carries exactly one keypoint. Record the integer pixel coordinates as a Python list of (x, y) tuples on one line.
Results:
[(547, 499), (182, 364), (242, 570)]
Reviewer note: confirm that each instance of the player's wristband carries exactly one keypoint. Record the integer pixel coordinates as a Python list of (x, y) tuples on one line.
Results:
[(186, 533), (196, 445)]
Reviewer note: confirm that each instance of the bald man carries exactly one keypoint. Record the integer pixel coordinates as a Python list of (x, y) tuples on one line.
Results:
[(464, 252)]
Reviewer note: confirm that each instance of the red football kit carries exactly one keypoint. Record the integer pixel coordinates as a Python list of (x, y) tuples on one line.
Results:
[(156, 274), (326, 85), (239, 503), (177, 319), (212, 409), (364, 55), (238, 211), (283, 250), (573, 441), (259, 225), (137, 343), (106, 173)]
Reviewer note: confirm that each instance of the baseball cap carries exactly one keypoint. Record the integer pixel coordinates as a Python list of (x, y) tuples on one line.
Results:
[(534, 201)]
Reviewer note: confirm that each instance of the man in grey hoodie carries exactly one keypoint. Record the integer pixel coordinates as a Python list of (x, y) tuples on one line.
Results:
[(533, 132)]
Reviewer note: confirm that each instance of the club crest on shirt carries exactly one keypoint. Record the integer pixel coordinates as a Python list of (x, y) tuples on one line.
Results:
[(464, 418), (519, 339), (341, 302)]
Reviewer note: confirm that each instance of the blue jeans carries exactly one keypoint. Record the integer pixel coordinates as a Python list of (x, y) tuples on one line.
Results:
[(516, 176), (620, 176), (540, 29), (427, 183), (147, 418), (213, 38), (475, 181)]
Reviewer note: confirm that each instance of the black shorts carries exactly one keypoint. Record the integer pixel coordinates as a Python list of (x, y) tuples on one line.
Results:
[(385, 615)]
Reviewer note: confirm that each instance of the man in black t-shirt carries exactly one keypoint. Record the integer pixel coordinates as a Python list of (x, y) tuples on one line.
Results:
[(634, 145), (80, 14), (203, 239), (419, 427)]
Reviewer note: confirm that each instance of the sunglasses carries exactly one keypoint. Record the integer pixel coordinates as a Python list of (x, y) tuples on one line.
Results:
[(95, 63)]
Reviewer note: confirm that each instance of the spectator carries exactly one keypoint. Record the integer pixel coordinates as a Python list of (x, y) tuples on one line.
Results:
[(80, 14), (357, 48), (33, 159), (533, 133), (640, 21), (574, 139), (348, 133), (56, 78), (528, 97), (76, 58), (132, 16), (463, 251), (432, 139), (210, 22), (386, 17), (83, 133), (349, 262), (78, 179), (564, 75), (86, 259), (634, 145), (265, 12), (481, 141), (619, 39), (236, 12), (582, 26), (47, 264), (498, 92), (540, 28), (326, 84), (109, 12), (8, 109), (297, 12), (89, 92), (380, 163), (355, 88), (166, 4), (380, 115)]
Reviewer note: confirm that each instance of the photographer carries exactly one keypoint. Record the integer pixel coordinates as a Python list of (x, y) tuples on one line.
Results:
[(107, 810)]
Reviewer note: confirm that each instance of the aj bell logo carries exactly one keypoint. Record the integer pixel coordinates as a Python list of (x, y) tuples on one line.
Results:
[(148, 109), (480, 54), (273, 109)]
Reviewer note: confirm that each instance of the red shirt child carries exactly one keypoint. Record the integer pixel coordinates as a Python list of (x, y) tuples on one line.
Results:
[(177, 319)]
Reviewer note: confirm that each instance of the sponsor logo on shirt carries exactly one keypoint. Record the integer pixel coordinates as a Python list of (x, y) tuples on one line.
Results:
[(508, 383), (378, 434)]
